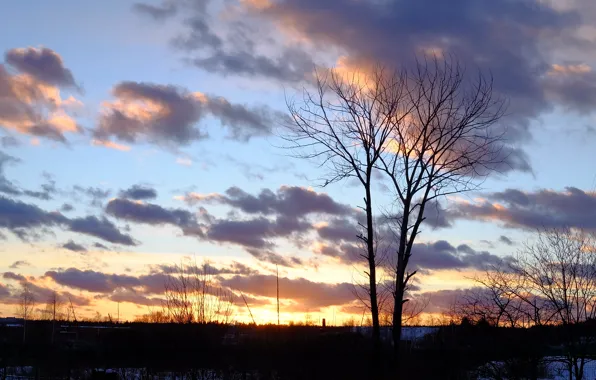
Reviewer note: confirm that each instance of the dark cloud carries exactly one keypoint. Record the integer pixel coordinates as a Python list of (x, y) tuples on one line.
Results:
[(255, 233), (233, 268), (289, 201), (274, 258), (307, 293), (292, 65), (99, 245), (153, 214), (504, 239), (4, 291), (339, 230), (14, 276), (540, 209), (101, 228), (19, 263), (6, 186), (131, 296), (442, 255), (475, 32), (139, 192), (72, 246), (48, 189), (66, 207), (174, 114), (95, 194), (339, 241), (9, 142), (46, 192), (168, 9), (41, 294), (41, 63), (92, 281), (24, 219), (435, 216), (99, 282)]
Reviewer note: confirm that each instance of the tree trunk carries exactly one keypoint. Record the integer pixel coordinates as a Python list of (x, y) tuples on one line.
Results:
[(372, 268), (397, 315)]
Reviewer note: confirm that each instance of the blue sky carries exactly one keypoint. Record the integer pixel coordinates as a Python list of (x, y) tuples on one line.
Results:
[(252, 53)]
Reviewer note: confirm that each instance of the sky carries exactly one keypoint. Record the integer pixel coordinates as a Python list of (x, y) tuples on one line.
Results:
[(138, 135)]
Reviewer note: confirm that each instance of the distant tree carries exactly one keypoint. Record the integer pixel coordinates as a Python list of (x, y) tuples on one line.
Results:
[(53, 311), (192, 296), (553, 282), (153, 317), (25, 306)]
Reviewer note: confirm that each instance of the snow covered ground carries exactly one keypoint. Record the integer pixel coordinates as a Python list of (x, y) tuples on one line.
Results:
[(556, 370)]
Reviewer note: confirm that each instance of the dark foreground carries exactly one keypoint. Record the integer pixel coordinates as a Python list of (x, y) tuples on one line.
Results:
[(193, 351)]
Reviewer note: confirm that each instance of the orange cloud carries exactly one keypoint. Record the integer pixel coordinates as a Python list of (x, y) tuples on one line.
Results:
[(110, 144), (570, 69)]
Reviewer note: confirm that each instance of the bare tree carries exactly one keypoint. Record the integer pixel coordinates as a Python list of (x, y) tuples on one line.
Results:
[(345, 125), (553, 281), (25, 306), (192, 296), (446, 144)]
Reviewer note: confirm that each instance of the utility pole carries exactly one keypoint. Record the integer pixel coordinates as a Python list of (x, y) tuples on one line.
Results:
[(277, 269), (118, 317)]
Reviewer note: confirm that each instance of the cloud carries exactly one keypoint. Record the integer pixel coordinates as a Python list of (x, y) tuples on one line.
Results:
[(66, 207), (339, 230), (240, 50), (171, 116), (6, 186), (504, 239), (256, 233), (153, 214), (47, 191), (280, 214), (338, 240), (156, 12), (40, 294), (184, 161), (42, 64), (131, 296), (271, 257), (4, 291), (72, 246), (106, 283), (24, 219), (139, 192), (302, 291), (30, 98), (289, 201), (96, 194), (92, 281), (9, 142), (110, 145), (101, 228), (14, 276), (530, 210), (19, 263)]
